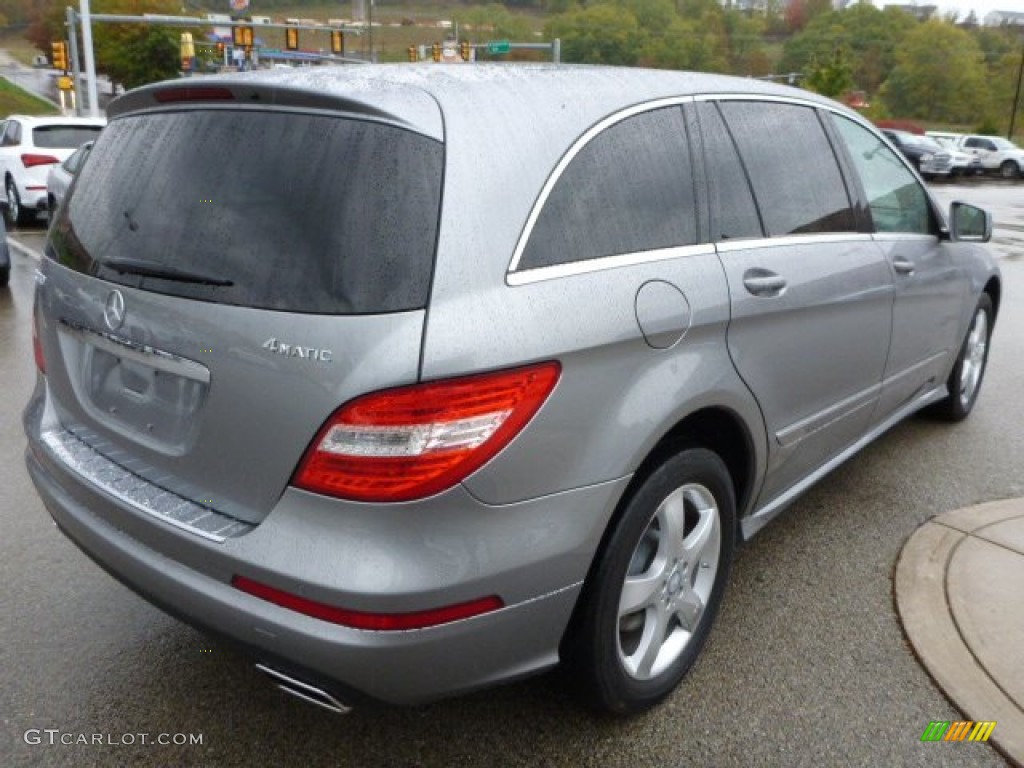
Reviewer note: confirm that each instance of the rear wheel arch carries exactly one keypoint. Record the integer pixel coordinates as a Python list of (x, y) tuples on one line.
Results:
[(717, 429)]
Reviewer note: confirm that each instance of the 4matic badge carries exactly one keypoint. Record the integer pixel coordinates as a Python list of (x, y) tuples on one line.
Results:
[(295, 350)]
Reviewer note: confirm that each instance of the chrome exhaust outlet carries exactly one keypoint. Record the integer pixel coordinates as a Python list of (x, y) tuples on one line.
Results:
[(305, 691)]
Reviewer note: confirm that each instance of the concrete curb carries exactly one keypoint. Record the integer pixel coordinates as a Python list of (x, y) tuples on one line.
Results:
[(959, 589)]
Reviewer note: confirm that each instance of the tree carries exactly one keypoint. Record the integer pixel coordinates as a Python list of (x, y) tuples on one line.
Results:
[(833, 78), (129, 54), (870, 38), (496, 20), (599, 34), (939, 75)]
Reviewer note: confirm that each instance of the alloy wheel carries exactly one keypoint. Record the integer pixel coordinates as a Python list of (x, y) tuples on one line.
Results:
[(669, 581)]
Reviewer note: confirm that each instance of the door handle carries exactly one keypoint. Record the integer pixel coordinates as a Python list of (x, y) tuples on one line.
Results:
[(764, 282), (903, 266)]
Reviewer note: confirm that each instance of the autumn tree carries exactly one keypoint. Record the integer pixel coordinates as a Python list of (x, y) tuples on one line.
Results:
[(870, 38)]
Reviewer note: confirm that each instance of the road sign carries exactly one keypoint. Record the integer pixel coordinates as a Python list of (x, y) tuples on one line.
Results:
[(498, 46)]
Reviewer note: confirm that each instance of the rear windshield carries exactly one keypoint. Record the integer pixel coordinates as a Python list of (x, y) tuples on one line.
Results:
[(282, 211), (64, 136)]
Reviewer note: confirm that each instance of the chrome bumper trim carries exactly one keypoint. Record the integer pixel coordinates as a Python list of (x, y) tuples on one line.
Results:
[(138, 493)]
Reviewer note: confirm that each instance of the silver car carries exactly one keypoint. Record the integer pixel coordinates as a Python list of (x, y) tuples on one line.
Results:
[(413, 379), (59, 179)]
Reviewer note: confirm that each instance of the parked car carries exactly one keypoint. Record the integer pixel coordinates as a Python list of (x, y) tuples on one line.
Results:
[(29, 145), (656, 317), (996, 154), (60, 176), (927, 156), (964, 163), (5, 256)]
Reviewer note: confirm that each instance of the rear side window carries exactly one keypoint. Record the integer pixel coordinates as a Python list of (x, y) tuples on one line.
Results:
[(63, 136), (629, 189), (285, 211), (792, 167), (733, 212)]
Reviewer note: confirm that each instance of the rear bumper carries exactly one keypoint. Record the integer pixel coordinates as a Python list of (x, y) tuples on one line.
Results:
[(190, 578)]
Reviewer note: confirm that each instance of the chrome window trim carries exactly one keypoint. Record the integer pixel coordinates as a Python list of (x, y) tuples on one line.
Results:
[(556, 174), (539, 274), (730, 246), (903, 236)]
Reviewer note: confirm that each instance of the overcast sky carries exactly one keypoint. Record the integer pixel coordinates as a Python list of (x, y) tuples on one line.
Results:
[(980, 7)]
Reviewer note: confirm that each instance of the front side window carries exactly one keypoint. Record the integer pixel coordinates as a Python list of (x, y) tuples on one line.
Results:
[(629, 189), (895, 197), (793, 170)]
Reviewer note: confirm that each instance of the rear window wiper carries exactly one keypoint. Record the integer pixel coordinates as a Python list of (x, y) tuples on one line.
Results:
[(150, 269)]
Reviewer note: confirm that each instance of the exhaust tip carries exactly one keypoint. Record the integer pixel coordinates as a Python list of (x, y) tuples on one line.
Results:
[(305, 691)]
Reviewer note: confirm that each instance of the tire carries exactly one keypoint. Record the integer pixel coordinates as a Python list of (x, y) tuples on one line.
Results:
[(668, 556), (16, 213), (1009, 169), (964, 382), (5, 276)]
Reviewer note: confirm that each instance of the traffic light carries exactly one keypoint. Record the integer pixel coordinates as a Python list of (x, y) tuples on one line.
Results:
[(60, 55), (412, 54), (466, 50), (337, 42), (435, 52), (188, 51), (291, 39), (242, 37)]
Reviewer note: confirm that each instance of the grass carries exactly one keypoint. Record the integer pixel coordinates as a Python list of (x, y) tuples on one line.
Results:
[(15, 101)]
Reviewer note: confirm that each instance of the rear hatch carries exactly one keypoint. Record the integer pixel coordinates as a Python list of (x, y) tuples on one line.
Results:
[(231, 276)]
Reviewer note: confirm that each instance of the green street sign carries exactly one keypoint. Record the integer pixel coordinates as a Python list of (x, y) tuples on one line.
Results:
[(498, 46)]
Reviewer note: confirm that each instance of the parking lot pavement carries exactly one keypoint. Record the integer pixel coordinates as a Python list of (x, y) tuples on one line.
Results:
[(959, 589)]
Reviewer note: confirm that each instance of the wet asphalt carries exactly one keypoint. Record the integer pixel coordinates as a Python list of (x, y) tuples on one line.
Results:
[(807, 664)]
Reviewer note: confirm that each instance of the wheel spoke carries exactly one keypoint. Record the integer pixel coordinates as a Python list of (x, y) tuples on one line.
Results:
[(671, 521), (698, 539), (689, 610), (651, 642), (640, 591)]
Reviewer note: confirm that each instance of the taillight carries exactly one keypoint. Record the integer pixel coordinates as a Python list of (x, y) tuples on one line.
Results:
[(30, 160), (380, 622), (413, 442), (37, 347)]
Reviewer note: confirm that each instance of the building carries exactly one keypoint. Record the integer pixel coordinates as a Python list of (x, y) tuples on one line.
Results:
[(999, 18)]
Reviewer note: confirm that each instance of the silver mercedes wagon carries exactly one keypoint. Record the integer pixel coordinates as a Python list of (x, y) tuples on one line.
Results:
[(413, 379)]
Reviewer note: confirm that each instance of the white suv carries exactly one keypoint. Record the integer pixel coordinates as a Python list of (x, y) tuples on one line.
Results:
[(996, 154), (28, 147)]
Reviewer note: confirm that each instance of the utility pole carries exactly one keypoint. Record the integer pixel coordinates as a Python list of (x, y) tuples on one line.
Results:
[(90, 60), (1016, 97)]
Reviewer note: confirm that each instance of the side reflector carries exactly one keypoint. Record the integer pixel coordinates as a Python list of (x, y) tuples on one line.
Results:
[(37, 347), (414, 442), (378, 622)]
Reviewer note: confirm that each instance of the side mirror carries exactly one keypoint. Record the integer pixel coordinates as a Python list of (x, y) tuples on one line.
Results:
[(968, 223)]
